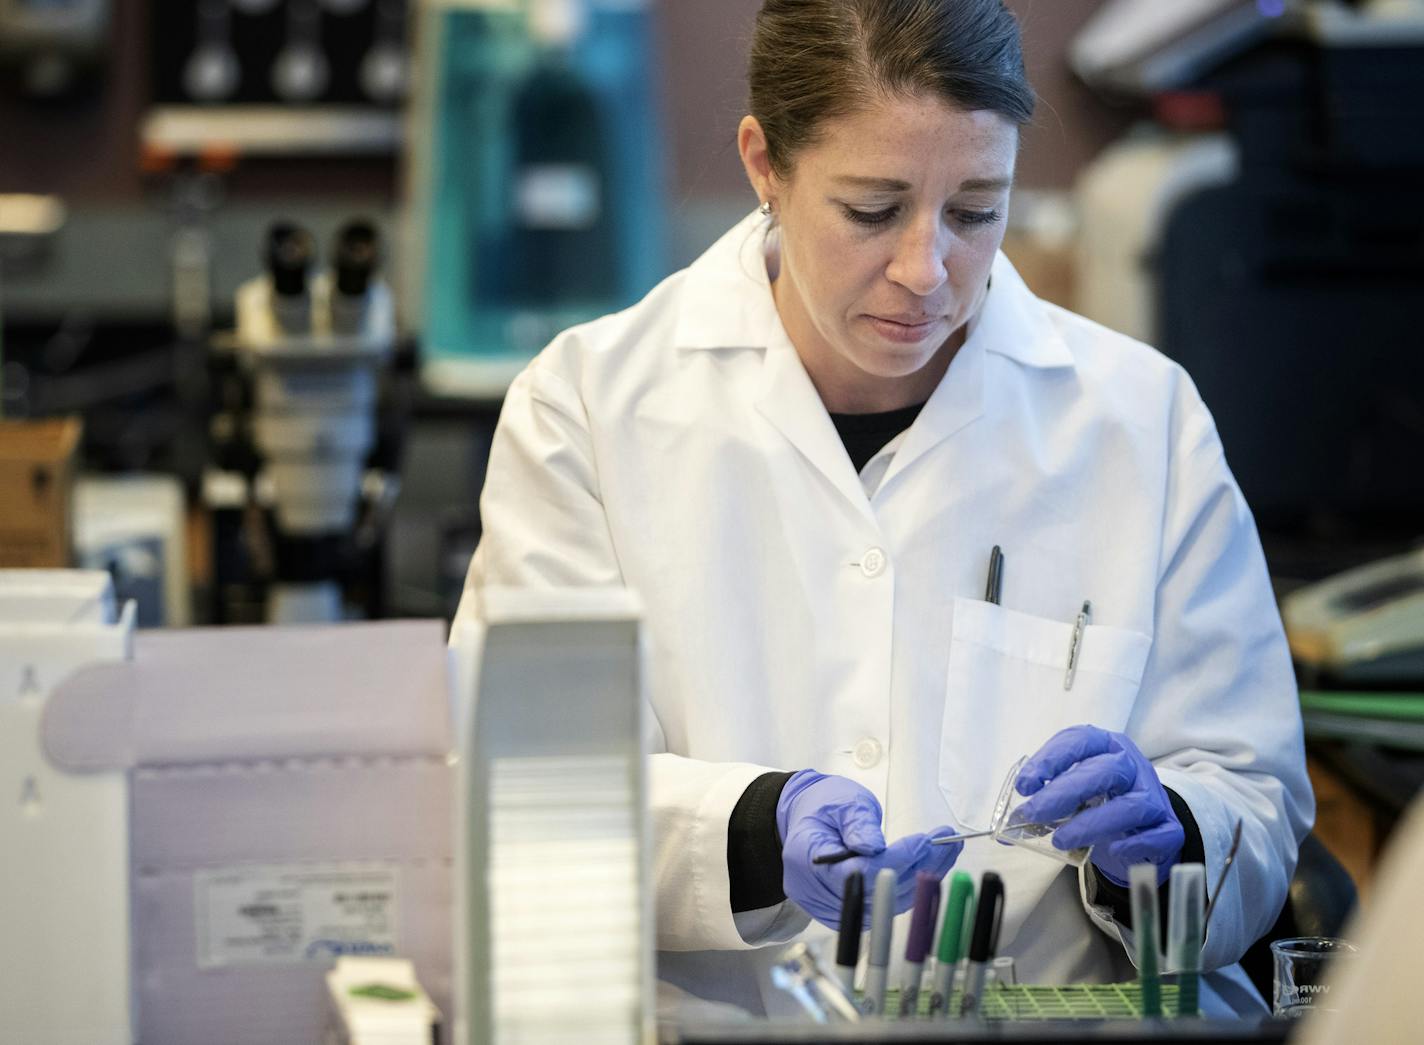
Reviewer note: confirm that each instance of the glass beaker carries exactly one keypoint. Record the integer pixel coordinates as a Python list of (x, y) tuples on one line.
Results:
[(1301, 984), (1009, 826)]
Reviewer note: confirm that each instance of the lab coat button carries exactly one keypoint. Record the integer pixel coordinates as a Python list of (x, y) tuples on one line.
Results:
[(867, 753), (872, 563)]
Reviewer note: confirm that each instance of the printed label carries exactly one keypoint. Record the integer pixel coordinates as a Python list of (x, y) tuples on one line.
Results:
[(275, 915), (557, 196)]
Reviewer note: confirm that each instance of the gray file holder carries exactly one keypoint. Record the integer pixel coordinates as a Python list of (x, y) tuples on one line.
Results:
[(290, 801)]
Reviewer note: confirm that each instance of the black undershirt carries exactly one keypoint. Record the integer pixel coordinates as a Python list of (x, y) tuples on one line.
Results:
[(865, 435)]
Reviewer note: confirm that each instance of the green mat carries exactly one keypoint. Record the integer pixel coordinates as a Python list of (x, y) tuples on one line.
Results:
[(1084, 1001), (1406, 706)]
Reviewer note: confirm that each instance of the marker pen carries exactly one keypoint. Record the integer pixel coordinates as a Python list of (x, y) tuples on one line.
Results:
[(922, 926), (983, 942), (848, 945), (882, 915), (951, 940)]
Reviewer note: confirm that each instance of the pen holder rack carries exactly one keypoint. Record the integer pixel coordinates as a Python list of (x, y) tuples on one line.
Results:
[(1002, 1002)]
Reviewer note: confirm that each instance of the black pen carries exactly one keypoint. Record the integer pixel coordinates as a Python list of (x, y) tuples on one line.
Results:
[(984, 941), (994, 586)]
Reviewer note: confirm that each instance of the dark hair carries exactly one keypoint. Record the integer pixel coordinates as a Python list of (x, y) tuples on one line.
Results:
[(816, 59)]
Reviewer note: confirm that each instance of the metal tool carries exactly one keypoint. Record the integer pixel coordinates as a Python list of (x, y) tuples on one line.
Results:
[(1221, 878), (948, 839)]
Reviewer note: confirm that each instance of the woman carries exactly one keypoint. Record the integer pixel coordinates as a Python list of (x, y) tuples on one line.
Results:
[(800, 452)]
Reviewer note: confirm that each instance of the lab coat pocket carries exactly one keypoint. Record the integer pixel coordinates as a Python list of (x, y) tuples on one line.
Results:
[(1004, 696)]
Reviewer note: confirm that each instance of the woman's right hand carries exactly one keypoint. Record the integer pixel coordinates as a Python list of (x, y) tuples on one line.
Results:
[(820, 815)]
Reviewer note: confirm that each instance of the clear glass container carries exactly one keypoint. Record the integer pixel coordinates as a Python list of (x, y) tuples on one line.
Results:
[(1010, 827)]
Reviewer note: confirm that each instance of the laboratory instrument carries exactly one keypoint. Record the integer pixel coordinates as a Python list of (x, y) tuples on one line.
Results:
[(1365, 625), (1315, 104), (1225, 870), (799, 973), (1301, 983), (1010, 824), (1147, 934), (1075, 781), (56, 46), (960, 836), (277, 77), (1186, 918), (535, 178), (313, 344)]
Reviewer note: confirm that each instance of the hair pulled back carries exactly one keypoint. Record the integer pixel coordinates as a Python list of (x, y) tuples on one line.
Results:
[(812, 60)]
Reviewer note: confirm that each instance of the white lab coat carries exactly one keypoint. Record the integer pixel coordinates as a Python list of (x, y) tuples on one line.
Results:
[(801, 615)]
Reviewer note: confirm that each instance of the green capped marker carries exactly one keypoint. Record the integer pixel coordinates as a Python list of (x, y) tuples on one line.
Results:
[(951, 940)]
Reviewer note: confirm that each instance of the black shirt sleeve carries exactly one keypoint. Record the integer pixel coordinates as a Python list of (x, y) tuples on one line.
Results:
[(754, 846), (1111, 895)]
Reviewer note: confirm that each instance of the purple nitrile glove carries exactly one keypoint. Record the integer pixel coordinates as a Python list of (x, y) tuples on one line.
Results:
[(1133, 822), (818, 814)]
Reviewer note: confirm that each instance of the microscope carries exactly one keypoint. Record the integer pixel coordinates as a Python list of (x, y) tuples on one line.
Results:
[(310, 347)]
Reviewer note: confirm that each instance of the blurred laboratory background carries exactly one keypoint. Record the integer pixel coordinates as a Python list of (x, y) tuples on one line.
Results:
[(267, 267)]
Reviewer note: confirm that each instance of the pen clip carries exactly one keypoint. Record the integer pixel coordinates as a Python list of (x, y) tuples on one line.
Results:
[(1079, 623), (994, 585)]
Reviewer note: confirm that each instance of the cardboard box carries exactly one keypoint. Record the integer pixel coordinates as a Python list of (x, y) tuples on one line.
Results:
[(36, 481)]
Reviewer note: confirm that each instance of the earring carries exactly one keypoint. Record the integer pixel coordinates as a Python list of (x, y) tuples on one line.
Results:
[(765, 209)]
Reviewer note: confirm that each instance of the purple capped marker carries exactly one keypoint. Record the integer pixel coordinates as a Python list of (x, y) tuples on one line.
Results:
[(922, 925)]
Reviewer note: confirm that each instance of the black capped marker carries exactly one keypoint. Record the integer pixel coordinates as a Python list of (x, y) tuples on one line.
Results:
[(852, 917), (983, 942)]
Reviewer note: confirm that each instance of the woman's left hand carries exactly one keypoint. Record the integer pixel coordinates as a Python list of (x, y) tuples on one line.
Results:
[(1134, 822)]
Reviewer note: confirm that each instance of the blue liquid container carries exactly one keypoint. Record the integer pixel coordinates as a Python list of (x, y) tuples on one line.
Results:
[(543, 176)]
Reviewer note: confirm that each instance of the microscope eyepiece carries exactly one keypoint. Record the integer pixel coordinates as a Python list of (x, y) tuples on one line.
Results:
[(289, 255), (357, 254)]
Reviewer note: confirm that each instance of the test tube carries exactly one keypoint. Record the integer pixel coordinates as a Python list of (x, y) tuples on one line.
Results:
[(1187, 902), (1142, 892)]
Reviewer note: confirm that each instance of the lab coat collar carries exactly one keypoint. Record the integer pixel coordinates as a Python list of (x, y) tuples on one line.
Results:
[(726, 298), (1012, 323), (1015, 323), (727, 304), (787, 398)]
